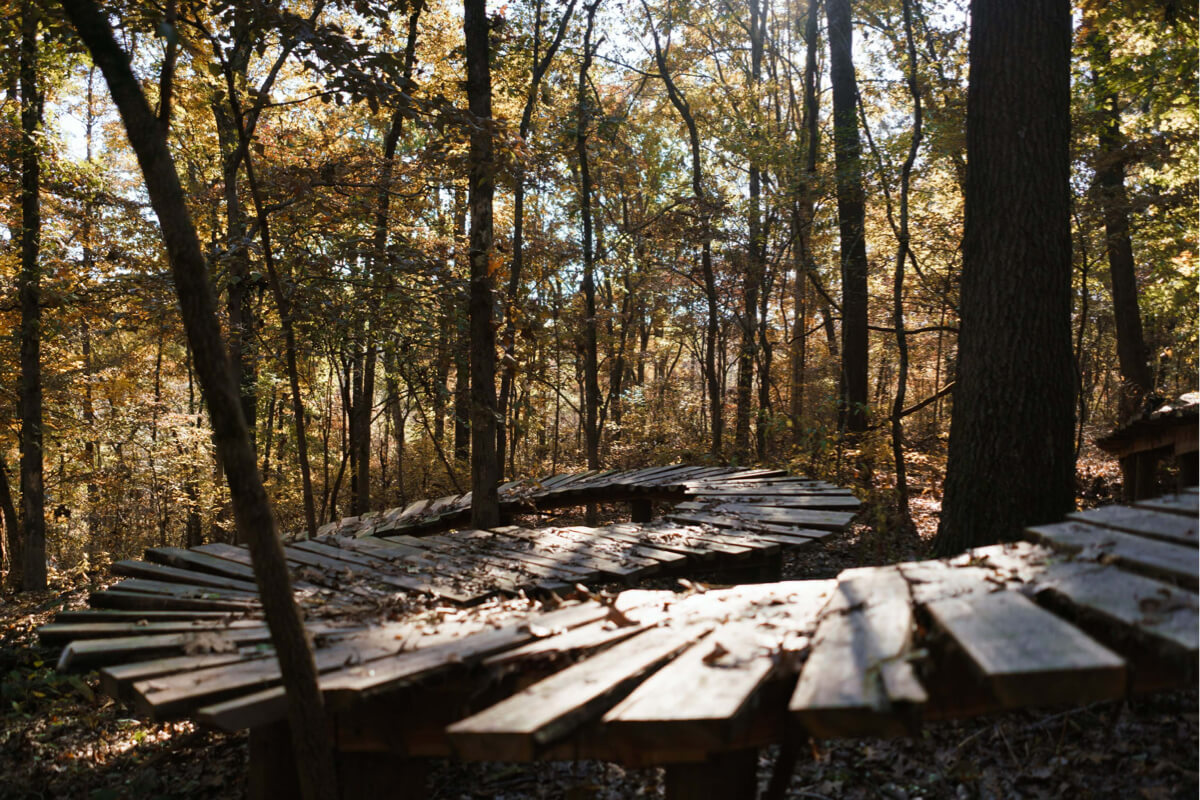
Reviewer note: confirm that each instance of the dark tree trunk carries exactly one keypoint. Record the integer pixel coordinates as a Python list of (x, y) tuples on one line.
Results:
[(252, 510), (902, 254), (462, 347), (805, 206), (29, 289), (591, 379), (1011, 459), (485, 507), (517, 265), (851, 215), (755, 255), (1136, 382), (13, 545)]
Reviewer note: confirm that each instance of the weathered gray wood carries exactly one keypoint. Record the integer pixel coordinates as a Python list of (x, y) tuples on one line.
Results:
[(1185, 504), (200, 561), (101, 615), (160, 572), (142, 601), (1025, 654), (517, 728), (830, 502), (61, 633), (115, 679), (90, 653), (722, 675), (183, 590), (858, 678), (800, 517), (1160, 559), (1153, 524)]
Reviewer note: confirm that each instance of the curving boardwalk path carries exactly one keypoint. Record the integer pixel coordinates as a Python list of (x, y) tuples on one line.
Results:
[(1094, 608)]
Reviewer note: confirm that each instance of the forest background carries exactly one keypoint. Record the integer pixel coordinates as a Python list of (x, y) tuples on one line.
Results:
[(675, 278)]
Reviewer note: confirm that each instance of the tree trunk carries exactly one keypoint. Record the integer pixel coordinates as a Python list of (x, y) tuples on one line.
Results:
[(712, 327), (591, 379), (1136, 383), (1011, 461), (485, 506), (851, 218), (29, 290), (902, 254), (252, 510), (804, 261), (13, 545)]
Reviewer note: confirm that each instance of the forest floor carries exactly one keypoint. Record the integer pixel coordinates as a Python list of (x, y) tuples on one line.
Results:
[(59, 737)]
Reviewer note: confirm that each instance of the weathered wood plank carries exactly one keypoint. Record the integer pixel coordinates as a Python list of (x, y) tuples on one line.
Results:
[(858, 679), (142, 602), (803, 518), (57, 633), (1159, 559), (90, 653), (517, 728), (160, 572), (1143, 522), (717, 502), (200, 561), (1025, 654), (1185, 504)]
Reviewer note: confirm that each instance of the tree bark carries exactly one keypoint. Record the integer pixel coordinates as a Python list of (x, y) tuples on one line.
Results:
[(485, 506), (252, 510), (851, 205), (805, 207), (13, 545), (1136, 382), (711, 375), (29, 290), (902, 254), (1011, 459), (591, 378)]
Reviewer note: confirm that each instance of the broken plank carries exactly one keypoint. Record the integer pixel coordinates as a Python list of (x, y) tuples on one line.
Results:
[(858, 680), (90, 653)]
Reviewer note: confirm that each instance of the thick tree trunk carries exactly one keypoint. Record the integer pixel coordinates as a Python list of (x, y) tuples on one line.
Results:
[(485, 507), (851, 217), (29, 290), (1136, 382), (1011, 460), (252, 510)]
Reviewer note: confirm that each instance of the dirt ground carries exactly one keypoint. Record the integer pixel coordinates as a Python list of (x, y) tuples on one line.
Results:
[(60, 738)]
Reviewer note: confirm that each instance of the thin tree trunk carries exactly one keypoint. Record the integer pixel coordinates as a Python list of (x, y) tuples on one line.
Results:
[(1136, 382), (462, 339), (902, 253), (712, 326), (252, 510), (14, 547), (29, 290), (485, 506), (591, 381)]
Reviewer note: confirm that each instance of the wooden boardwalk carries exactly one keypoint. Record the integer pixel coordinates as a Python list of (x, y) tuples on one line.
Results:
[(1094, 608)]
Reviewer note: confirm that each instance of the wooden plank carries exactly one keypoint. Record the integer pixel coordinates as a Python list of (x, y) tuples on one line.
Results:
[(1153, 524), (564, 550), (691, 536), (816, 502), (624, 542), (142, 602), (160, 572), (353, 683), (1149, 556), (90, 653), (57, 633), (345, 687), (803, 518), (115, 680), (525, 563), (723, 675), (517, 728), (749, 525), (858, 679), (1187, 505), (1126, 602), (1025, 654), (200, 561), (102, 615), (182, 590)]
